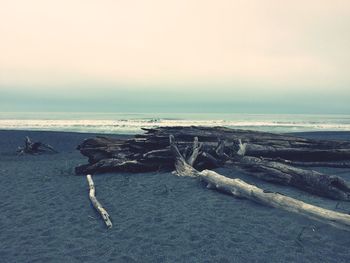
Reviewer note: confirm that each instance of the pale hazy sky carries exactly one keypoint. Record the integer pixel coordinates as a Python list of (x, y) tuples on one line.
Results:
[(253, 55)]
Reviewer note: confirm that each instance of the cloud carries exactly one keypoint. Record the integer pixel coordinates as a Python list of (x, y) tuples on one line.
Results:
[(236, 45)]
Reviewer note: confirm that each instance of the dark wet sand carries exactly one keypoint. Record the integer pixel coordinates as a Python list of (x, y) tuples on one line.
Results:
[(46, 216)]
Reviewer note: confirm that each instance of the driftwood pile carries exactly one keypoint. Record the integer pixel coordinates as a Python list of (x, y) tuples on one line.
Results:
[(264, 155), (271, 157)]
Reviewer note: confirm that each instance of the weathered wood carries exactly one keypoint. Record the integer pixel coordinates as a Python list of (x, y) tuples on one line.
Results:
[(314, 182), (152, 148), (182, 167), (34, 147), (310, 164), (308, 180), (151, 152), (195, 152), (303, 153), (241, 189), (96, 204)]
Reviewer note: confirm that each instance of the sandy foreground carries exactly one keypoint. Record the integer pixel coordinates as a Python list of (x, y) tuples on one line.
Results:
[(46, 216)]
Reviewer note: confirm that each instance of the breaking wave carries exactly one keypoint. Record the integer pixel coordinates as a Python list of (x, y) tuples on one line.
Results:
[(133, 126)]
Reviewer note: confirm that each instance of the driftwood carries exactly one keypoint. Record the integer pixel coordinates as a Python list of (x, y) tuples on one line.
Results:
[(257, 153), (345, 164), (34, 147), (96, 204), (150, 151), (241, 189), (308, 180)]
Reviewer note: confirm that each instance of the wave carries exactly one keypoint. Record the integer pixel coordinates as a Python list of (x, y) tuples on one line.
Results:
[(133, 126)]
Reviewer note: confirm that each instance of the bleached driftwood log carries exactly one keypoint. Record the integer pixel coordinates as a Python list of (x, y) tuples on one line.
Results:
[(241, 189), (96, 204)]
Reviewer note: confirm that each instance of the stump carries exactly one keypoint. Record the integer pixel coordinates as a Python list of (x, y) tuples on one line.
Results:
[(34, 147)]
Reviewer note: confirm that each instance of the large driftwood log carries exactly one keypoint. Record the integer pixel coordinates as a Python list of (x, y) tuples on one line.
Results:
[(308, 180), (241, 189), (341, 164), (311, 181), (302, 153), (96, 204)]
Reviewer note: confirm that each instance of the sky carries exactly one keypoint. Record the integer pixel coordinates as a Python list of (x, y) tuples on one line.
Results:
[(243, 56)]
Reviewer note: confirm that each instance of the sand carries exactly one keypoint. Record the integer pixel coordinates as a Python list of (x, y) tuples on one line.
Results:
[(46, 215)]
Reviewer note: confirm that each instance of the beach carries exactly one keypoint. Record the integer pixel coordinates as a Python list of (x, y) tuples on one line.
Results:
[(46, 215)]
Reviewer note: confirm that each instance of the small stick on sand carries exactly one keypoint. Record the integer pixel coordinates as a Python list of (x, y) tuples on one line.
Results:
[(97, 205)]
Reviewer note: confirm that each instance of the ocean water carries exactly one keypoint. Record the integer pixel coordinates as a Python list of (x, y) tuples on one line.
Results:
[(131, 123)]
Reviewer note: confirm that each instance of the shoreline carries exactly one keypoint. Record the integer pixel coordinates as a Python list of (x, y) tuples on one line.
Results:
[(67, 132), (123, 123), (323, 132)]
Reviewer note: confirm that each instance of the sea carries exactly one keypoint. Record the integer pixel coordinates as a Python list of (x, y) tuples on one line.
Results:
[(132, 123)]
